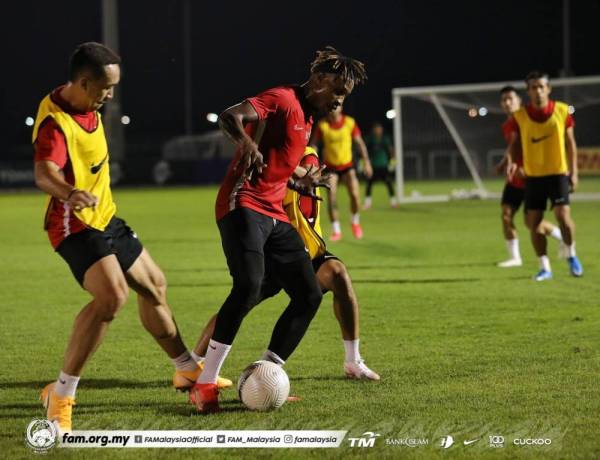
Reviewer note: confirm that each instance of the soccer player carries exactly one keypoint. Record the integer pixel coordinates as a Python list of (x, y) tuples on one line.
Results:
[(332, 275), (514, 189), (380, 148), (545, 131), (103, 253), (337, 132), (271, 131)]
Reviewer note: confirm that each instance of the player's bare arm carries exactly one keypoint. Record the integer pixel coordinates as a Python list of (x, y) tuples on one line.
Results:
[(571, 146), (512, 153), (362, 148), (49, 178), (232, 121)]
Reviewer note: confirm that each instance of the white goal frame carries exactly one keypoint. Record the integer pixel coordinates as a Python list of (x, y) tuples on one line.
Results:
[(432, 93)]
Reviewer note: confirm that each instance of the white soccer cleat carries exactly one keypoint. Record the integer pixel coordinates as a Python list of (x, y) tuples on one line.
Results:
[(510, 263), (359, 370)]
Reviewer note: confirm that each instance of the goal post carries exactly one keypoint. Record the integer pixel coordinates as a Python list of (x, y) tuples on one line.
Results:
[(460, 125)]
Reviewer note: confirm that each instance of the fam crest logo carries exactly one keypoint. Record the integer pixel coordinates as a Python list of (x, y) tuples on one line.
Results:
[(367, 439), (41, 435)]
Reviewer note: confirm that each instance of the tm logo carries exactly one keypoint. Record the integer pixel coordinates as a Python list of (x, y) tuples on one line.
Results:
[(367, 439)]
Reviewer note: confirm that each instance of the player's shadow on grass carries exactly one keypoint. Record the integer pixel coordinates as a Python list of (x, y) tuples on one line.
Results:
[(423, 266), (97, 384), (187, 410), (416, 281)]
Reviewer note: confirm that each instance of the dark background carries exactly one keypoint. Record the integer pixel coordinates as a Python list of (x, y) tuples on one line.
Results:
[(240, 48)]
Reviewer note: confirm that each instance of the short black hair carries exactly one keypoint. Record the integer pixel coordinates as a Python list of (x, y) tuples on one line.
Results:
[(536, 75), (91, 56), (509, 89), (331, 60)]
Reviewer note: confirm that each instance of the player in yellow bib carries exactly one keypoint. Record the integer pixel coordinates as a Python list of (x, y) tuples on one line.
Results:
[(104, 254), (337, 133), (544, 130), (332, 275)]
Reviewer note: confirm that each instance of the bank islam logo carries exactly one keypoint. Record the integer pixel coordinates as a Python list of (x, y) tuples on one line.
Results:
[(447, 442), (41, 435), (367, 439)]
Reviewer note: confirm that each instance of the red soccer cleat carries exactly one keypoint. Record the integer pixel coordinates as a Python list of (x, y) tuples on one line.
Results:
[(357, 231), (205, 396), (335, 236)]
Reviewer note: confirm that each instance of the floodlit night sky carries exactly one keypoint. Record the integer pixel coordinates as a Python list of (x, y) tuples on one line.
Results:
[(240, 48)]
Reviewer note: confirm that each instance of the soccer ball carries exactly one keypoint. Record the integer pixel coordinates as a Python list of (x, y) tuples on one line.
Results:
[(263, 386)]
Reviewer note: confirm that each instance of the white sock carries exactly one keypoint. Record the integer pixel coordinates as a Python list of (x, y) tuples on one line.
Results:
[(556, 234), (355, 219), (513, 248), (273, 357), (336, 227), (352, 353), (368, 201), (215, 357), (571, 249), (545, 263), (66, 385), (185, 362), (196, 357), (393, 201)]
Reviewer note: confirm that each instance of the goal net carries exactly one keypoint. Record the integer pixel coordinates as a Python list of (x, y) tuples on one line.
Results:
[(453, 133)]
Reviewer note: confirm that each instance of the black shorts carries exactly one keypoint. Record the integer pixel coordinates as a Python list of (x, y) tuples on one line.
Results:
[(318, 261), (245, 230), (538, 190), (340, 172), (81, 250), (513, 196)]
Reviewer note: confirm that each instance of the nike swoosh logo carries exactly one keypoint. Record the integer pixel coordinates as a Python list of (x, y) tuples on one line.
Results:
[(298, 128), (95, 168), (62, 381), (535, 140), (214, 348), (466, 443)]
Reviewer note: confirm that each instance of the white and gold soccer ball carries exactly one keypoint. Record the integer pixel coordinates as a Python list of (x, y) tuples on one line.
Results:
[(263, 386)]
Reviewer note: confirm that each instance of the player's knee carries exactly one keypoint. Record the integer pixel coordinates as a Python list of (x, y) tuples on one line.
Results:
[(110, 301), (158, 288), (247, 289), (313, 299)]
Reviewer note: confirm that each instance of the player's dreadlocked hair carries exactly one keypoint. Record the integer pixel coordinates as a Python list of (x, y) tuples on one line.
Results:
[(331, 60)]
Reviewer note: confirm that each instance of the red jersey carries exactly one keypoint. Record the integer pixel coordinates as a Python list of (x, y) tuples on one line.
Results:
[(286, 133), (506, 132), (307, 204), (51, 145)]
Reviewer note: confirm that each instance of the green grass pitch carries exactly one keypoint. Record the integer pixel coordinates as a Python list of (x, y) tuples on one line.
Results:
[(463, 348)]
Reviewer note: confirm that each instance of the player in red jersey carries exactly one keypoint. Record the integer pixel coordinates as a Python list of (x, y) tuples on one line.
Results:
[(271, 131), (514, 189)]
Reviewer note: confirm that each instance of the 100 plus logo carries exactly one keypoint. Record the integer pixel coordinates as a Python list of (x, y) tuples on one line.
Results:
[(367, 439)]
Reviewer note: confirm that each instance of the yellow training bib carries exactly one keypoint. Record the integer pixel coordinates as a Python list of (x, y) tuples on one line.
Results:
[(88, 153), (544, 152), (311, 234), (337, 143)]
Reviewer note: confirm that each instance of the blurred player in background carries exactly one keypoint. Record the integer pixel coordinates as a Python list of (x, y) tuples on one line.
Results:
[(337, 132), (332, 275), (514, 189), (381, 151), (545, 131), (271, 131), (104, 254)]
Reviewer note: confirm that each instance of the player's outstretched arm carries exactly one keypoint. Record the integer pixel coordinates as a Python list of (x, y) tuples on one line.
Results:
[(571, 146), (49, 178), (362, 148), (232, 121)]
